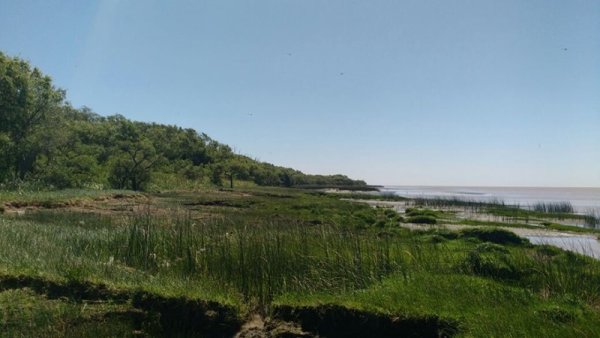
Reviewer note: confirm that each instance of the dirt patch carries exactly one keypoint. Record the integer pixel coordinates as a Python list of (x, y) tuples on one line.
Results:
[(221, 203), (257, 327), (106, 204), (338, 321), (271, 195)]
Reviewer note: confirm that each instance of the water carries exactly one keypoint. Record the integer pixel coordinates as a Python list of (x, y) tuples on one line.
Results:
[(585, 245), (583, 200)]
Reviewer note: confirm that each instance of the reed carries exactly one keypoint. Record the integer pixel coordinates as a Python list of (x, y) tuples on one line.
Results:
[(441, 202), (553, 207), (260, 259)]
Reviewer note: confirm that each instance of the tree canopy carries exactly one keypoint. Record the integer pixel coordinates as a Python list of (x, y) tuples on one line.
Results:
[(46, 141)]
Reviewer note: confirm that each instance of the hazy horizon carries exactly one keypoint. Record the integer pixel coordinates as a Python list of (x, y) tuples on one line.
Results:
[(486, 186), (412, 93)]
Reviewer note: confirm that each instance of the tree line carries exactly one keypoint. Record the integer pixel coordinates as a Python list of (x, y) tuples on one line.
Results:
[(45, 141)]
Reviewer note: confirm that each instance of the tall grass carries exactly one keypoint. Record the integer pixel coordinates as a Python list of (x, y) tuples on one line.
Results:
[(441, 202), (260, 259), (592, 218), (553, 207)]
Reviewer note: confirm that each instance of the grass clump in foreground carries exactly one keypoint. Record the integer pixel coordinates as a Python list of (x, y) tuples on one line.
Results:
[(270, 255)]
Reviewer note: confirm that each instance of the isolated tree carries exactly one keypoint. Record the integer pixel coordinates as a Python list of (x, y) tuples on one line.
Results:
[(235, 167), (136, 157)]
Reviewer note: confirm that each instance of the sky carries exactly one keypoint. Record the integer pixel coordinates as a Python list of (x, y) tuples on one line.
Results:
[(466, 93)]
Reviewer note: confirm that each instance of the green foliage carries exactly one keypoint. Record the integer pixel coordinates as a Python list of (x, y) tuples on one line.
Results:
[(493, 235), (491, 260), (28, 103), (422, 219), (45, 140)]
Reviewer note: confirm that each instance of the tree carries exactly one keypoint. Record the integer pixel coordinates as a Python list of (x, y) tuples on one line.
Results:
[(235, 167), (27, 99), (136, 157)]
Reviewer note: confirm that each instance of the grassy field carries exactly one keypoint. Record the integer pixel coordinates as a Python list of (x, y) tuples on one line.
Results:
[(209, 262)]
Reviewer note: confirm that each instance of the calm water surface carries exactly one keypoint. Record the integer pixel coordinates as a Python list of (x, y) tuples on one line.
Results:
[(584, 200), (588, 246)]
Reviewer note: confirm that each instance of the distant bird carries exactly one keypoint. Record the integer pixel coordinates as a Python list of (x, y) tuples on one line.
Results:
[(289, 54), (565, 49), (341, 74)]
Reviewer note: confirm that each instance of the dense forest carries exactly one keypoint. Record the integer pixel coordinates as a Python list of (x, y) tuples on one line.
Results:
[(47, 143)]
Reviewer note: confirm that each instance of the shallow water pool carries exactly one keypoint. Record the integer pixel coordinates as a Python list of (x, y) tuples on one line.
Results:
[(586, 245)]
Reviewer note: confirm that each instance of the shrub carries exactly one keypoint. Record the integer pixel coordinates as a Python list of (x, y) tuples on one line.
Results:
[(390, 213), (548, 250), (366, 217), (421, 212), (494, 235), (422, 220), (491, 260)]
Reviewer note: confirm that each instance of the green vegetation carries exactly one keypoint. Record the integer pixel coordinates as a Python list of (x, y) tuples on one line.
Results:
[(539, 211), (554, 208), (292, 255), (493, 235), (45, 142)]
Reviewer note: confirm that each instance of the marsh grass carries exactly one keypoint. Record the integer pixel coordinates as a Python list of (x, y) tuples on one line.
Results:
[(255, 258), (259, 259), (516, 213), (553, 207), (470, 204), (592, 218)]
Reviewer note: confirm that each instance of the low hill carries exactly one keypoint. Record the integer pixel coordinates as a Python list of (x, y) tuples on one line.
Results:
[(44, 141)]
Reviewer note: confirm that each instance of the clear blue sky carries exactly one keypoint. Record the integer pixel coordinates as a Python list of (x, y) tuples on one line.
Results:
[(394, 92)]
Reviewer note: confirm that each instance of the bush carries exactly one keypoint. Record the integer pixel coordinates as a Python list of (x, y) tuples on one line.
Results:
[(422, 220), (421, 212), (493, 235), (366, 217), (491, 260), (548, 250)]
